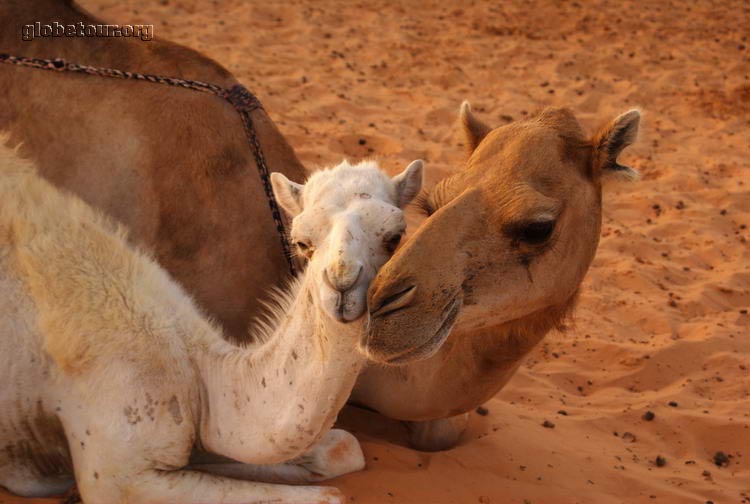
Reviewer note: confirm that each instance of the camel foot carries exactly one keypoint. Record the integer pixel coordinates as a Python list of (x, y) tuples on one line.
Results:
[(190, 487), (336, 454)]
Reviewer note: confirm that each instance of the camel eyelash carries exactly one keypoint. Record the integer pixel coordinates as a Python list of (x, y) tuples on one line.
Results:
[(536, 232)]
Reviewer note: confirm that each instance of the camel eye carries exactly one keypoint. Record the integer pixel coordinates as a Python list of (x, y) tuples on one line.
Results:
[(535, 233), (392, 242), (304, 248)]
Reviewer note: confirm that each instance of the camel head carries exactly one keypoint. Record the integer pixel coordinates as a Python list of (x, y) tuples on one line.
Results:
[(347, 221), (509, 238)]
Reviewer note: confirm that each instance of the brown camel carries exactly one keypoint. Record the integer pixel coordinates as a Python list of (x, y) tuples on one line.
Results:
[(502, 256)]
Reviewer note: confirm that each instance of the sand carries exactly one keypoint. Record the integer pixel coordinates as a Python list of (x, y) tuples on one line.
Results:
[(663, 316)]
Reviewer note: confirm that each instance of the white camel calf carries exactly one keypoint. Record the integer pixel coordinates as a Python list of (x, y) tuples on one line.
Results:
[(110, 373)]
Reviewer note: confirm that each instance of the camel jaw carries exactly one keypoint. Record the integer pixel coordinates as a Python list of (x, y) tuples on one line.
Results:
[(426, 349)]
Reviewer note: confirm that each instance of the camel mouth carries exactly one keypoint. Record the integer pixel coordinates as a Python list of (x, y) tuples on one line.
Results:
[(346, 306), (428, 348), (395, 302), (341, 316)]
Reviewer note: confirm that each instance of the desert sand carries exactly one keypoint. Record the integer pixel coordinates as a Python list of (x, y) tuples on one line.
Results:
[(662, 325)]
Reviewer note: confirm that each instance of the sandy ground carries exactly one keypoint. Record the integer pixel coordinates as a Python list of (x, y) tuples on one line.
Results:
[(662, 325)]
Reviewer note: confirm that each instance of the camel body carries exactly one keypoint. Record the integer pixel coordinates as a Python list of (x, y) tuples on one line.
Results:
[(117, 376)]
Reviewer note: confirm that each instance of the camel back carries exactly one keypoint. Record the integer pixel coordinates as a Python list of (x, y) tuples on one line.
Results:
[(172, 165)]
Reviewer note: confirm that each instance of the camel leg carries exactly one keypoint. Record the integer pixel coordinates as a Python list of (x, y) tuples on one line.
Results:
[(437, 435), (337, 453), (24, 481), (190, 487)]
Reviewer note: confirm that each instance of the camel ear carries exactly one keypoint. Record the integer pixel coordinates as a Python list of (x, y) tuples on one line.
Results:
[(287, 193), (610, 141), (474, 129), (408, 183)]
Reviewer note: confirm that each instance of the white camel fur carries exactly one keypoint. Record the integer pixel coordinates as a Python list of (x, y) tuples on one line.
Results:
[(110, 372)]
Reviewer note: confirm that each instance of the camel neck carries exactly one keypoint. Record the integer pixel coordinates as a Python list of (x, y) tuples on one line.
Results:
[(271, 401), (492, 354), (471, 367)]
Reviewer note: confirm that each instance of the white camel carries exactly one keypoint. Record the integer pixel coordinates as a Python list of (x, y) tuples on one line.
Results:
[(112, 375)]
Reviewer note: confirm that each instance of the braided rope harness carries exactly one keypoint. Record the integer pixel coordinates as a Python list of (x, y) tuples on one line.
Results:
[(242, 100)]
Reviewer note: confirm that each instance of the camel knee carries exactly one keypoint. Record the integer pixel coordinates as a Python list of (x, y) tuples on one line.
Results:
[(337, 453)]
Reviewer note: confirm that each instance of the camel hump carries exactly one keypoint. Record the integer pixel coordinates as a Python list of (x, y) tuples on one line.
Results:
[(152, 55)]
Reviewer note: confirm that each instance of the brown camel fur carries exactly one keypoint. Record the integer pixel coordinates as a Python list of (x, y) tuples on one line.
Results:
[(171, 164)]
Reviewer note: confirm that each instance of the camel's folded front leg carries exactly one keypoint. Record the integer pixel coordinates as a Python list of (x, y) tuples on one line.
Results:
[(190, 487), (337, 453), (437, 435)]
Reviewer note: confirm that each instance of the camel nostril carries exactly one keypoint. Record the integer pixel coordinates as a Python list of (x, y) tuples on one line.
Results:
[(396, 301), (341, 285)]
